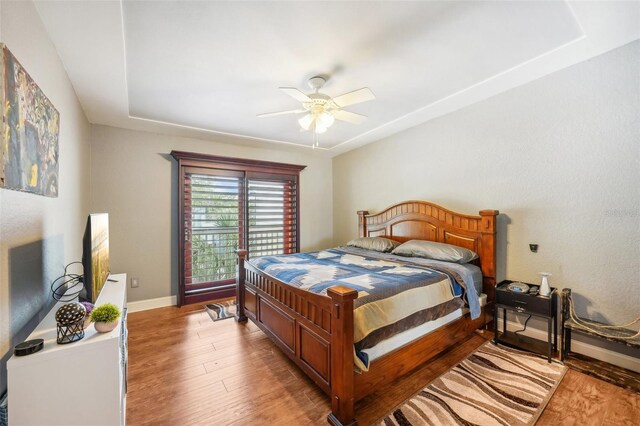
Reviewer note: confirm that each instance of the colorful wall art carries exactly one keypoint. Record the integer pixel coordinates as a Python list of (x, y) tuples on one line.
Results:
[(30, 128)]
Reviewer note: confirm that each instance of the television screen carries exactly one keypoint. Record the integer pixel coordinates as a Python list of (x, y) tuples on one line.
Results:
[(95, 254)]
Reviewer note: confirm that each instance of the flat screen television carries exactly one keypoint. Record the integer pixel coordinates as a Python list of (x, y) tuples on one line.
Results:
[(95, 255)]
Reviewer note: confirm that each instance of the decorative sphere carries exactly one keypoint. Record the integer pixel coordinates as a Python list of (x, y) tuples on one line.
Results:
[(70, 313)]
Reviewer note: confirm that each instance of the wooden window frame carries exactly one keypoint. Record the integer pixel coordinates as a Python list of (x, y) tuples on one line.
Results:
[(248, 167)]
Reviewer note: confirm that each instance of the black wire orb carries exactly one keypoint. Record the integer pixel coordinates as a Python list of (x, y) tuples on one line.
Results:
[(67, 287), (70, 319)]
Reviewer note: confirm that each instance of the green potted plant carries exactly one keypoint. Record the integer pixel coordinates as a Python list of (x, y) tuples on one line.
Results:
[(105, 317)]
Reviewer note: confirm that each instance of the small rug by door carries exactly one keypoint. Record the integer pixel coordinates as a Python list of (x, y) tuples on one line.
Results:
[(220, 311), (495, 385)]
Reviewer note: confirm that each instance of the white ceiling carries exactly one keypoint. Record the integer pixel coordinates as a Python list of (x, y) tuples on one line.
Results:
[(206, 69)]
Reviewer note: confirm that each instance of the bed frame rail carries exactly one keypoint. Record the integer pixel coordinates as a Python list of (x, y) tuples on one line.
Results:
[(314, 331)]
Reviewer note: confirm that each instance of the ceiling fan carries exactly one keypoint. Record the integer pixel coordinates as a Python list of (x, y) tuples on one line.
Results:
[(322, 110)]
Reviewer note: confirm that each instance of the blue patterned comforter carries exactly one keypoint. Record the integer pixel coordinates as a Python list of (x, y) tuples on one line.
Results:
[(393, 295)]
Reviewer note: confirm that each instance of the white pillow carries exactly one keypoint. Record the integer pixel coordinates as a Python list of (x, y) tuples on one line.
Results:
[(435, 251), (384, 245)]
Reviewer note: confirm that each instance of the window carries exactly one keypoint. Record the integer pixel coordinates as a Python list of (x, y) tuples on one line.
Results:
[(228, 204)]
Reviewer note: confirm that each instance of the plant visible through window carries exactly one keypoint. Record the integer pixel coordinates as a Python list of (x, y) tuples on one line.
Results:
[(214, 227)]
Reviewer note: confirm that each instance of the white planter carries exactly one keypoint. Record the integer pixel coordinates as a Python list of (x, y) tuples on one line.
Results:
[(105, 327)]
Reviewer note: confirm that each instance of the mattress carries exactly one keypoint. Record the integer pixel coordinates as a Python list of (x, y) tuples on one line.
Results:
[(389, 345)]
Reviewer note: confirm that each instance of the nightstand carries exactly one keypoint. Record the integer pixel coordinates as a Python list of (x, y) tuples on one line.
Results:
[(537, 306)]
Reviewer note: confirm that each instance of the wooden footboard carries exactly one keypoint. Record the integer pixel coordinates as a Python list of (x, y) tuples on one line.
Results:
[(314, 331)]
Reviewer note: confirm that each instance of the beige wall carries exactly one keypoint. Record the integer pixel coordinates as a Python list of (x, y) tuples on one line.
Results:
[(134, 180), (39, 235), (559, 157)]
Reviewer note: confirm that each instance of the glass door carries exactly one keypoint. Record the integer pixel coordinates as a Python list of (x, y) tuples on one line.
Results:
[(213, 218)]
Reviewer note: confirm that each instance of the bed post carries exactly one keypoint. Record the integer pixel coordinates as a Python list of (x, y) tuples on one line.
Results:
[(342, 380), (362, 223), (488, 254), (488, 229), (241, 275)]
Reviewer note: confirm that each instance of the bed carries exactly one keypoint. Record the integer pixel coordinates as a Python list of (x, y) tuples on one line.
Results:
[(316, 330)]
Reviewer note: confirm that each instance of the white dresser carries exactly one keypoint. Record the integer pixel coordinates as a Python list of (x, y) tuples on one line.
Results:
[(80, 383)]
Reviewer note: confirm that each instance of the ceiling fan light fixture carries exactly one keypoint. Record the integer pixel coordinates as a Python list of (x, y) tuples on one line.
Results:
[(326, 119), (318, 122), (306, 121)]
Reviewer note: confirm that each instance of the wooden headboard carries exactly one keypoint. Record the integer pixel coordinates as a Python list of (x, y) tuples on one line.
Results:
[(421, 220)]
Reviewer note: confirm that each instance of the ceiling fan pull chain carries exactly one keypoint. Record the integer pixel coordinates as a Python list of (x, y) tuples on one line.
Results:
[(315, 136)]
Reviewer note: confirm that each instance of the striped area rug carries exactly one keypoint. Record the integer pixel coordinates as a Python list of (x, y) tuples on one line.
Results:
[(220, 311), (495, 385)]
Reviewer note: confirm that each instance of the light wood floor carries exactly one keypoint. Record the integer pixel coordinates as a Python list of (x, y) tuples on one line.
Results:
[(186, 369)]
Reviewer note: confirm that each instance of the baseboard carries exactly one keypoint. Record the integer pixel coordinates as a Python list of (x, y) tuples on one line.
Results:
[(144, 305), (615, 358)]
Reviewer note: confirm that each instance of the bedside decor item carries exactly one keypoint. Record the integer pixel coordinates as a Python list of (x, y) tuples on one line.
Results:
[(518, 287), (29, 347), (30, 128), (70, 320), (493, 385), (105, 317), (545, 290)]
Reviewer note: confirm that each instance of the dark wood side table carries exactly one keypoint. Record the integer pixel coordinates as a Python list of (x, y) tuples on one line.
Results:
[(535, 305)]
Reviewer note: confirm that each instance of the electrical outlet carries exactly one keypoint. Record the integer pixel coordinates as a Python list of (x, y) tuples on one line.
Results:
[(135, 283)]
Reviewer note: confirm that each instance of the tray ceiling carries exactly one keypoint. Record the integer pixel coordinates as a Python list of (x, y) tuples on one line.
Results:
[(206, 69)]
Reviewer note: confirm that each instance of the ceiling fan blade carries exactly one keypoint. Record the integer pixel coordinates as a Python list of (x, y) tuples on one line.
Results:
[(355, 97), (291, 111), (349, 117), (296, 94)]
